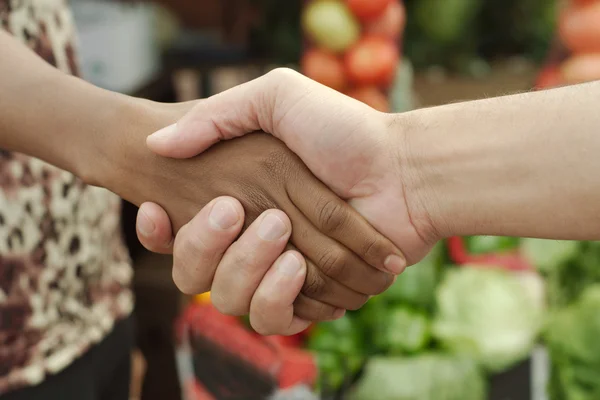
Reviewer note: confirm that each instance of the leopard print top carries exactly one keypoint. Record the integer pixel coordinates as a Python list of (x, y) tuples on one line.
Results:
[(64, 269)]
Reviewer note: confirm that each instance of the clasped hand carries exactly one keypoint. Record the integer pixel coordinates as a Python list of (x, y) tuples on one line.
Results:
[(304, 254)]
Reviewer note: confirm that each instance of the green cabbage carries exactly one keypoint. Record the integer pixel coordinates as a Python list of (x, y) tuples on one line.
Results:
[(572, 340), (488, 314), (425, 377)]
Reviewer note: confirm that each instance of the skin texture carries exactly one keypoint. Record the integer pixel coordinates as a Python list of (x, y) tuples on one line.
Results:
[(100, 137), (352, 148), (344, 254), (522, 165)]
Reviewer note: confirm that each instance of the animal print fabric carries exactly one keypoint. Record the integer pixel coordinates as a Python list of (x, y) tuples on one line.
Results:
[(64, 269)]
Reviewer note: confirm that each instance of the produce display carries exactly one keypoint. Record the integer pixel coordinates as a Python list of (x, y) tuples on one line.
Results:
[(440, 328), (465, 36), (475, 307), (353, 46), (572, 339)]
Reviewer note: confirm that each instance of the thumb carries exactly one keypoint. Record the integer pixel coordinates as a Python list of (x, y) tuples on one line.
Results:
[(233, 113)]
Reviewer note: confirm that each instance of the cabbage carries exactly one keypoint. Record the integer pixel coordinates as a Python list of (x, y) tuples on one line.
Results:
[(572, 340), (424, 377), (487, 314)]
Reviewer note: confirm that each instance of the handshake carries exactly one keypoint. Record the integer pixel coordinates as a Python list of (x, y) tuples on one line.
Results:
[(302, 217), (320, 201)]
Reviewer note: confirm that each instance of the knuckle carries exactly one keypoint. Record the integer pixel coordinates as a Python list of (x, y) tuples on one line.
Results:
[(188, 248), (184, 284), (335, 263), (262, 320), (281, 74), (314, 310), (226, 305), (314, 285), (374, 248), (332, 216)]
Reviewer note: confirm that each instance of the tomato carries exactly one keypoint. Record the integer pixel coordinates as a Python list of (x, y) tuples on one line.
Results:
[(371, 96), (579, 28), (368, 9), (324, 67), (583, 2), (391, 23), (331, 25), (550, 77), (581, 68), (372, 61)]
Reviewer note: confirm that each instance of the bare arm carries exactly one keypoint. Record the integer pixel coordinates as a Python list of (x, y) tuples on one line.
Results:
[(48, 114), (521, 165)]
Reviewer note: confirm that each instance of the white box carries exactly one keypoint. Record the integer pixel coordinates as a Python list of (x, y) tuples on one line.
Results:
[(116, 43)]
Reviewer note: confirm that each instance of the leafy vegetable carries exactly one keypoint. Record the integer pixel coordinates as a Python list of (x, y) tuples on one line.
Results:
[(425, 377), (491, 244), (403, 331), (487, 314), (568, 266), (572, 340), (547, 254), (416, 285), (341, 336)]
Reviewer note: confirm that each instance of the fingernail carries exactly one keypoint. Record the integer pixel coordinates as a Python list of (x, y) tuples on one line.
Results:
[(223, 215), (145, 224), (395, 264), (289, 266), (271, 228), (163, 134), (339, 313)]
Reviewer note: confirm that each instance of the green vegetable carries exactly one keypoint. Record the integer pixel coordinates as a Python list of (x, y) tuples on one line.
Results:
[(569, 267), (572, 340), (547, 254), (491, 244), (416, 285), (487, 314), (403, 331), (446, 21), (341, 336), (332, 372), (425, 377)]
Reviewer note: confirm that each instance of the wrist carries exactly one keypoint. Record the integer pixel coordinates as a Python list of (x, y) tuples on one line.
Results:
[(121, 159)]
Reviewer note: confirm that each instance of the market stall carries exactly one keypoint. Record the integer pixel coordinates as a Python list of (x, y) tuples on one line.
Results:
[(480, 317)]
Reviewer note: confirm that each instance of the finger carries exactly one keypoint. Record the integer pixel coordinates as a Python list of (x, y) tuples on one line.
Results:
[(246, 262), (321, 287), (312, 310), (153, 228), (339, 221), (272, 306), (233, 113), (344, 273), (201, 243), (227, 115)]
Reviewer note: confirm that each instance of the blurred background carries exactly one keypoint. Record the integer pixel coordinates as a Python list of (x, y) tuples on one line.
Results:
[(481, 317)]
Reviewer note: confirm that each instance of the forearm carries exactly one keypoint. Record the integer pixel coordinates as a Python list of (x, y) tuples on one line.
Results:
[(522, 165), (50, 115)]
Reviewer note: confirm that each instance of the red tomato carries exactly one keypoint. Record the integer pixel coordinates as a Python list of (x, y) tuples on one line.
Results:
[(368, 9), (549, 78), (581, 68), (372, 61), (371, 96), (583, 2), (391, 23), (579, 28), (324, 67)]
